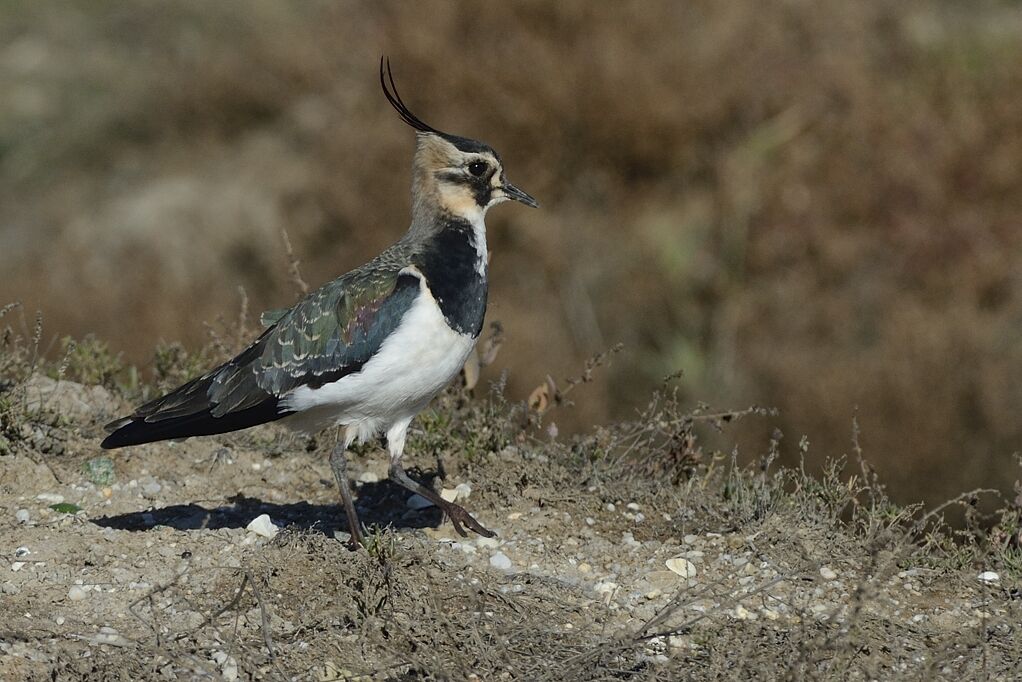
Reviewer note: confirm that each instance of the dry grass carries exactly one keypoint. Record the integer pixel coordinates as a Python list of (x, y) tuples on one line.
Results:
[(806, 205), (303, 607)]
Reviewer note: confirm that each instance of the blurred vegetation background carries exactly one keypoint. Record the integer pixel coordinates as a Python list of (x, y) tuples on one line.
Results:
[(808, 205)]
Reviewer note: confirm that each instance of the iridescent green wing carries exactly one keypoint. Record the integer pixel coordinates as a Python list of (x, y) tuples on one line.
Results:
[(331, 333)]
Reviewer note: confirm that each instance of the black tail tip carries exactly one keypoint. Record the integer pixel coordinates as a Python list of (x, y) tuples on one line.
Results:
[(121, 433)]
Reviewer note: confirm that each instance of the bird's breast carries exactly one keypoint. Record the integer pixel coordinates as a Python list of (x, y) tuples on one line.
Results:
[(453, 264), (412, 365)]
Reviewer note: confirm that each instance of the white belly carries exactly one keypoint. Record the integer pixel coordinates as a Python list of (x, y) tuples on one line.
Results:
[(412, 365)]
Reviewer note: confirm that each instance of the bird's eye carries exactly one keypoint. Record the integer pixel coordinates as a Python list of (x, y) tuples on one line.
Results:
[(477, 168)]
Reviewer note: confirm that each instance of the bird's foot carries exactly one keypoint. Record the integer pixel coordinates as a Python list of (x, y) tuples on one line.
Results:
[(459, 516)]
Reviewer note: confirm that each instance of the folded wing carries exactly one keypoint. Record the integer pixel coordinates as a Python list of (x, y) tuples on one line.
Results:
[(331, 333)]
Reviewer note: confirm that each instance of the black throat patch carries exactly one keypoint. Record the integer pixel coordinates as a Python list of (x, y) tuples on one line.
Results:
[(448, 262)]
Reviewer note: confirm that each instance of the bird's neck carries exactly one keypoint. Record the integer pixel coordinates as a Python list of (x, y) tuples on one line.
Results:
[(453, 259)]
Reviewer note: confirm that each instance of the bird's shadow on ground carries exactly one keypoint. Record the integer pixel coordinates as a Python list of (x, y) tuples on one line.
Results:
[(379, 504)]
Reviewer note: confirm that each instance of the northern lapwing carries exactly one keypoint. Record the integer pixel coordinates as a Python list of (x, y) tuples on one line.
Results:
[(369, 350)]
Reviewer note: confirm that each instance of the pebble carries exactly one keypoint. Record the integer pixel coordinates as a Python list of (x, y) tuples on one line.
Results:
[(828, 573), (262, 525), (491, 543), (632, 506), (368, 477), (77, 593), (610, 507), (500, 561), (228, 666), (458, 492), (22, 516), (988, 577), (108, 635), (22, 551), (50, 498), (681, 566), (17, 566), (151, 489)]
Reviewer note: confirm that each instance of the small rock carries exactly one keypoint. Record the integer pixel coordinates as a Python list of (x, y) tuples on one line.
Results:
[(151, 489), (681, 566), (108, 635), (610, 507), (22, 516), (77, 593), (418, 502), (500, 561), (9, 588), (491, 543), (828, 573), (50, 498), (100, 470), (988, 577), (368, 477), (262, 525), (632, 506), (22, 551), (742, 613), (17, 566), (228, 666)]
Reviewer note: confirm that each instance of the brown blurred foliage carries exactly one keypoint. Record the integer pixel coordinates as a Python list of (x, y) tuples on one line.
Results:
[(807, 205)]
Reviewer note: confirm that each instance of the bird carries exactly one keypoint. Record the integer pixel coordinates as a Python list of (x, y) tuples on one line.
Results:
[(367, 351)]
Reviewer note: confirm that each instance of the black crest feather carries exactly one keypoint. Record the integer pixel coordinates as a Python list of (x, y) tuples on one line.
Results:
[(387, 77)]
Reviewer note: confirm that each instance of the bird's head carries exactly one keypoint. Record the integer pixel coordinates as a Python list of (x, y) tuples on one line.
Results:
[(451, 174)]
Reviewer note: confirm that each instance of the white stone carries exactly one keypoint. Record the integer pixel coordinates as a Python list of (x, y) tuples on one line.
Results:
[(262, 525), (500, 561), (368, 477), (828, 573), (458, 492), (22, 551), (491, 543), (632, 506), (681, 566), (17, 566), (742, 613), (77, 593), (22, 516), (418, 502), (988, 577), (50, 498)]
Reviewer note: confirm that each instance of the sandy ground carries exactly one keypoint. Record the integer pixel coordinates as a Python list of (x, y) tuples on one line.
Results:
[(594, 574)]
